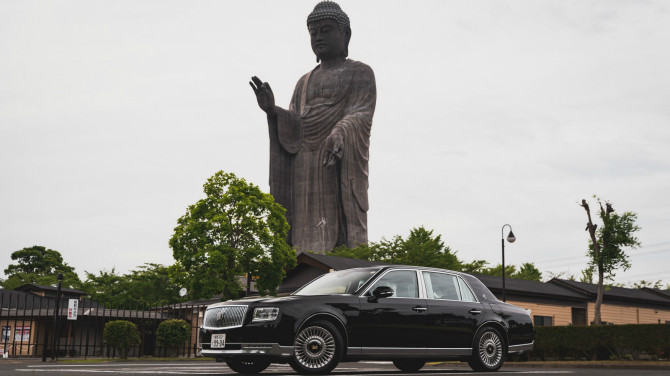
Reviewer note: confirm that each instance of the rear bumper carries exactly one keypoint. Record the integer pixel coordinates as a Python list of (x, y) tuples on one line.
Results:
[(519, 349), (273, 350)]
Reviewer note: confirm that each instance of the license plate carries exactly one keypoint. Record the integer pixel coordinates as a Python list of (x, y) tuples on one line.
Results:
[(218, 341)]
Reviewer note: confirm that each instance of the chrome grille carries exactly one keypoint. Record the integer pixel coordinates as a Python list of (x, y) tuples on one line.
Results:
[(225, 317)]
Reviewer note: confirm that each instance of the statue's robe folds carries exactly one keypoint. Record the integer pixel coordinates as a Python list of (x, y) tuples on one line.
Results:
[(326, 206)]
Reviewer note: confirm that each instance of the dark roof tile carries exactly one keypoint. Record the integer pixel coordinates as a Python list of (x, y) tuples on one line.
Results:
[(523, 287), (612, 292)]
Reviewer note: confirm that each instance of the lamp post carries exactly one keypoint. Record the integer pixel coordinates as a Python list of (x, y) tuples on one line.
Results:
[(56, 313), (510, 238)]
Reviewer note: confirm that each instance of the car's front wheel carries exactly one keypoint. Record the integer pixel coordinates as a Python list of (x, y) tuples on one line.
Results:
[(248, 367), (317, 348), (489, 351), (409, 365)]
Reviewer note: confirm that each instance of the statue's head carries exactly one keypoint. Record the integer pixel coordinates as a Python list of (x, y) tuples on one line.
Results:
[(329, 31)]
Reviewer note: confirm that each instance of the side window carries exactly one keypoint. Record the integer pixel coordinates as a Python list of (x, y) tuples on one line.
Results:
[(441, 286), (403, 283), (466, 293)]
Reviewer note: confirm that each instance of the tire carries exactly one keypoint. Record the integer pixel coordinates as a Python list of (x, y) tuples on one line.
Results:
[(317, 348), (488, 352), (248, 367), (409, 365)]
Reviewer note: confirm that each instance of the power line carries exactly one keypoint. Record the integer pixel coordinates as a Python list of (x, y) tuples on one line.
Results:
[(663, 273), (551, 261)]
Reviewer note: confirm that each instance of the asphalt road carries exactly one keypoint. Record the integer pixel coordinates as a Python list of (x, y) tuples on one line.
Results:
[(32, 367)]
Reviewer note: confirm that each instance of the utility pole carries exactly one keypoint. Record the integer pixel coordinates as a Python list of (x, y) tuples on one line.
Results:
[(56, 309)]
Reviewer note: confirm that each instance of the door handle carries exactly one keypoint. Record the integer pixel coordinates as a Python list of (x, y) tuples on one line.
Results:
[(419, 309), (475, 311)]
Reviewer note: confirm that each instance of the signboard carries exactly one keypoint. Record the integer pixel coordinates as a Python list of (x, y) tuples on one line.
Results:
[(6, 331), (22, 333), (72, 309)]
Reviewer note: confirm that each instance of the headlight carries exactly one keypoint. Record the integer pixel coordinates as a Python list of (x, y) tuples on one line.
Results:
[(265, 313)]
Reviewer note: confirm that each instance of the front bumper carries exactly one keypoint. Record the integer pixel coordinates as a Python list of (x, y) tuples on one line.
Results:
[(273, 350)]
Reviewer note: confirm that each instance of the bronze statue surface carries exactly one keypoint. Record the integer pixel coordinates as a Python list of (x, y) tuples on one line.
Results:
[(319, 146)]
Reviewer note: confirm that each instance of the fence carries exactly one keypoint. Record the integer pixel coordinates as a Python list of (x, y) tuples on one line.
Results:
[(28, 323)]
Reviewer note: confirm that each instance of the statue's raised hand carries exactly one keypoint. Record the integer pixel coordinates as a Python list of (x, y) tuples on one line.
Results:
[(264, 96)]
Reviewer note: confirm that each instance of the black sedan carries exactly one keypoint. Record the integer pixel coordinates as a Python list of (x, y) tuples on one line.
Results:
[(405, 314)]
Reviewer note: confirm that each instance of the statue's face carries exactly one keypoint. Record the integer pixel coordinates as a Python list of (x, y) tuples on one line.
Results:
[(327, 40)]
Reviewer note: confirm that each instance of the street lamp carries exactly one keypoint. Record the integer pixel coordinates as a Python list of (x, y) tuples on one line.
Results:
[(56, 313), (510, 238)]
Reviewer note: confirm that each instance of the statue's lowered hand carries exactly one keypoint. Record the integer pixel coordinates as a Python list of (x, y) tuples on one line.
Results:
[(335, 145), (264, 95)]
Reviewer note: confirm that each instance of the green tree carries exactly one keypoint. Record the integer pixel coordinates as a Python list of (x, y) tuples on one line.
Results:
[(606, 246), (235, 230), (173, 334), (152, 284), (649, 284), (496, 271), (148, 284), (476, 266), (40, 266), (421, 248), (424, 248), (122, 335), (587, 275), (528, 272), (106, 286)]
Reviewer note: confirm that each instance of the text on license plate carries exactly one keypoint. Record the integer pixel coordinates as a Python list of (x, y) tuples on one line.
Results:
[(218, 341)]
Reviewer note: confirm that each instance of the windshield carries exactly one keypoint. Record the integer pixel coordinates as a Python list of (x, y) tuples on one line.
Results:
[(340, 282)]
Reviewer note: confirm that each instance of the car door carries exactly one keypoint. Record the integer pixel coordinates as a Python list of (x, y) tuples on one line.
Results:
[(454, 313), (393, 322)]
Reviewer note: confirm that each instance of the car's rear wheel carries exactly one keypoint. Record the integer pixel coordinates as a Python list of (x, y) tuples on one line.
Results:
[(488, 352), (409, 365), (248, 367), (317, 348)]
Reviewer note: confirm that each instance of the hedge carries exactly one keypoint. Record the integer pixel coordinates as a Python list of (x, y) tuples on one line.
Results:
[(602, 342), (173, 334), (122, 335)]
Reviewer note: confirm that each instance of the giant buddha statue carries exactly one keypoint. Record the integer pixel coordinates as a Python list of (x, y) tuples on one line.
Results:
[(319, 146)]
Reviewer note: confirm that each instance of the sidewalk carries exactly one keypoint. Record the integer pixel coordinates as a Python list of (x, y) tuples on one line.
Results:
[(605, 364), (602, 364)]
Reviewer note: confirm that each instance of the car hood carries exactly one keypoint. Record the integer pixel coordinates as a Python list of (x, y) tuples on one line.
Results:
[(259, 300)]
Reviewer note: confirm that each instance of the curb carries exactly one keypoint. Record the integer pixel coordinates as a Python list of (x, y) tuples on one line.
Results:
[(595, 364)]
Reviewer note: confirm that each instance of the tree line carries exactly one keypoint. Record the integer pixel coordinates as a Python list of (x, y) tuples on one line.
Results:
[(236, 231), (423, 248)]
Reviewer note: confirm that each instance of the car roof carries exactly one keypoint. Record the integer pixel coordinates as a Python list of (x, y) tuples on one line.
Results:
[(424, 268)]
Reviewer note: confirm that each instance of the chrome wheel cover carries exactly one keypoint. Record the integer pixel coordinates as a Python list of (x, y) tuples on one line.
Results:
[(490, 349), (314, 347)]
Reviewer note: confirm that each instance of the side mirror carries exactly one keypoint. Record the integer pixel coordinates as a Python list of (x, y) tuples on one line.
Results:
[(381, 292)]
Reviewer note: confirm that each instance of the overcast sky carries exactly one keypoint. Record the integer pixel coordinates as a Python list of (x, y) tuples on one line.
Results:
[(113, 114)]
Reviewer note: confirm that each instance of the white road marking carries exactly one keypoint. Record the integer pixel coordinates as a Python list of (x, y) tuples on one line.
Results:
[(209, 368)]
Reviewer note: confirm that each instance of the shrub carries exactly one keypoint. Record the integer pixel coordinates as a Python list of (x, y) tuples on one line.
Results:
[(122, 335), (602, 342), (173, 334)]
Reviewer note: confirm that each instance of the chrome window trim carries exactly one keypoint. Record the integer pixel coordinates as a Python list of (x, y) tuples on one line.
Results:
[(459, 287), (423, 293), (418, 281)]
